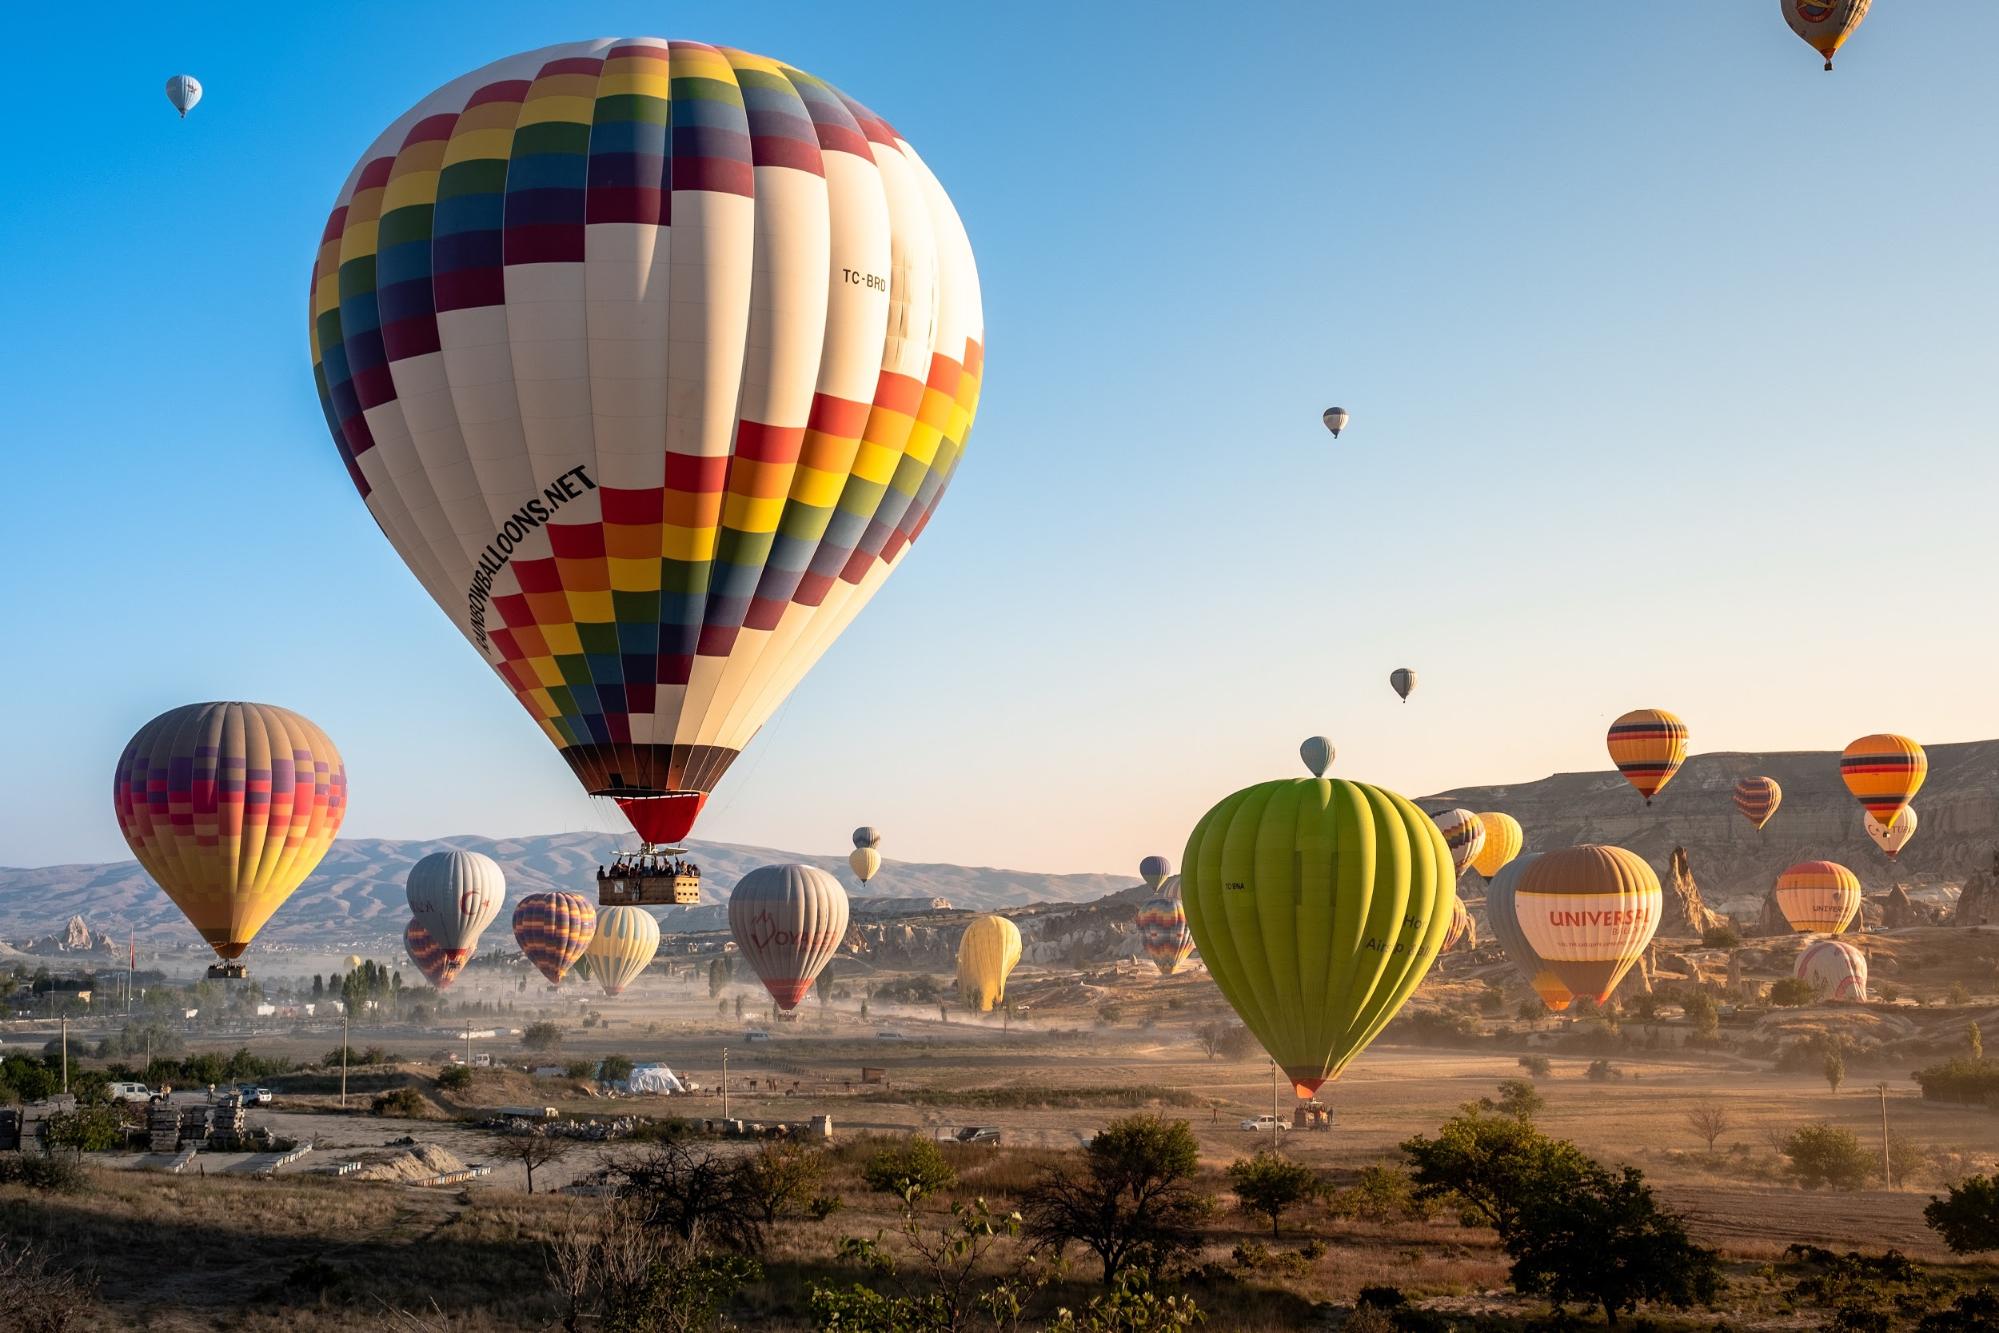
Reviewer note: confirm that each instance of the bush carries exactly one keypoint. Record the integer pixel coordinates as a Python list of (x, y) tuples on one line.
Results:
[(1960, 1079), (579, 1069), (1967, 1217), (1601, 1071), (909, 1169), (1824, 1154), (403, 1102), (1721, 937), (543, 1036), (614, 1069), (1517, 1097), (454, 1078), (1379, 1194), (51, 1173), (1790, 992), (86, 1129), (777, 1177), (1270, 1185), (1537, 1066)]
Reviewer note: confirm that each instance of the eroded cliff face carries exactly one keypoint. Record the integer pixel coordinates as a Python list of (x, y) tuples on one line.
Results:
[(1685, 911), (1051, 934)]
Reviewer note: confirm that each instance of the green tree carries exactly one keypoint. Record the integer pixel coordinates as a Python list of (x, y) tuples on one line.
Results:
[(1517, 1097), (1132, 1203), (1824, 1154), (778, 1177), (910, 1169), (1967, 1217), (1834, 1069), (1270, 1185), (1537, 1066), (1489, 1166), (614, 1069), (1603, 1238), (542, 1037), (1702, 1013)]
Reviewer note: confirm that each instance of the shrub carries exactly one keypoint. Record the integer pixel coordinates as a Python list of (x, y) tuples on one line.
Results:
[(1824, 1154), (1792, 991), (86, 1129), (454, 1078), (51, 1173), (1270, 1185), (543, 1036), (1380, 1194), (1602, 1071), (1959, 1079), (910, 1168), (1721, 937), (1517, 1097), (579, 1069), (614, 1069), (1702, 1013), (1974, 1311), (1537, 1066), (1967, 1217), (404, 1102), (778, 1176)]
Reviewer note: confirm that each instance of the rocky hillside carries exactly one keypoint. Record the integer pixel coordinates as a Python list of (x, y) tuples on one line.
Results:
[(356, 896), (1734, 864)]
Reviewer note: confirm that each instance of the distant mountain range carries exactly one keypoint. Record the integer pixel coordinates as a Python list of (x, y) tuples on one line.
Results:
[(356, 895)]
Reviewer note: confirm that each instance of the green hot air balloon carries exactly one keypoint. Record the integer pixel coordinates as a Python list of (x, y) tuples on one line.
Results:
[(1319, 905)]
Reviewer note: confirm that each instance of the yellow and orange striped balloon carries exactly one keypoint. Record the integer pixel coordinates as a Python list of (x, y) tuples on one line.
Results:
[(1648, 745), (1821, 897), (1503, 840), (1884, 772), (1589, 912)]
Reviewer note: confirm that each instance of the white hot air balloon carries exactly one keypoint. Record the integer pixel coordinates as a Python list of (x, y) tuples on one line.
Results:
[(455, 895), (183, 90), (789, 921), (1892, 838)]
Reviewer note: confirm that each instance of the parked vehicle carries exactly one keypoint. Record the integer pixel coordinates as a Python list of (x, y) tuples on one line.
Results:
[(128, 1092), (755, 1034), (1264, 1124), (888, 1034), (253, 1095)]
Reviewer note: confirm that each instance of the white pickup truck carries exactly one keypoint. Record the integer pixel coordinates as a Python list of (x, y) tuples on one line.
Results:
[(1264, 1124)]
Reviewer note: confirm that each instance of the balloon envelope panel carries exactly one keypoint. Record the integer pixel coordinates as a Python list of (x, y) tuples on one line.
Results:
[(1891, 838), (1162, 928), (1884, 772), (429, 956), (1503, 840), (1503, 920)]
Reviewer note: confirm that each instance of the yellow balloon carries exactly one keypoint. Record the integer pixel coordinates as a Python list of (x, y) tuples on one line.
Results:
[(987, 953), (1503, 841)]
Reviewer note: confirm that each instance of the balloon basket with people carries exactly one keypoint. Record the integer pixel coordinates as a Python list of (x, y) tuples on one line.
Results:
[(650, 877)]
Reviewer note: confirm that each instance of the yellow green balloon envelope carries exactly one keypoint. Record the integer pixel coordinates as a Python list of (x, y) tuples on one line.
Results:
[(1319, 905)]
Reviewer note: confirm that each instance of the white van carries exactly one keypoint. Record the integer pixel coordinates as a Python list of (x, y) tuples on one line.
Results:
[(128, 1092)]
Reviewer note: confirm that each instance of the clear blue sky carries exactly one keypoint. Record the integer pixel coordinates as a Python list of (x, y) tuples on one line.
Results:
[(1670, 359)]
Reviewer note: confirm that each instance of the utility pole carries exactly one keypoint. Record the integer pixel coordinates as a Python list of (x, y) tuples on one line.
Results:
[(1275, 1124), (65, 1053), (468, 1043), (725, 1083), (1887, 1175), (343, 1055)]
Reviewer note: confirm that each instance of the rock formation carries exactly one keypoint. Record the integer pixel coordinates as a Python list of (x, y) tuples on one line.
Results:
[(76, 937), (1897, 911), (1685, 913), (1772, 921), (1978, 905)]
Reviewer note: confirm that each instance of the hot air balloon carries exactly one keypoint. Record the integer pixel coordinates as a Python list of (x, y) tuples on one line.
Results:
[(865, 862), (987, 952), (1892, 838), (1648, 745), (455, 895), (229, 806), (1336, 420), (1835, 969), (1503, 840), (1461, 928), (1403, 681), (1758, 799), (651, 359), (1162, 928), (1820, 896), (867, 836), (1502, 919), (621, 947), (580, 971), (1824, 24), (1464, 834), (553, 929), (789, 921), (183, 90), (1318, 905), (353, 961), (1154, 870), (1884, 772), (1317, 752), (429, 957), (1589, 911)]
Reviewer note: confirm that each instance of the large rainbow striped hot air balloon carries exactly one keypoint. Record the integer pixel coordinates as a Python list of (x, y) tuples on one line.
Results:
[(429, 956), (1589, 911), (229, 806), (1884, 772), (1162, 928), (1648, 745), (1464, 835), (1503, 840), (1758, 799), (553, 930), (1835, 968), (650, 359), (1821, 896)]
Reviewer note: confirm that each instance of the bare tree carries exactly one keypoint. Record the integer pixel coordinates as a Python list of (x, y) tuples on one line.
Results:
[(39, 1294), (1709, 1121), (603, 1250), (534, 1149), (1211, 1035)]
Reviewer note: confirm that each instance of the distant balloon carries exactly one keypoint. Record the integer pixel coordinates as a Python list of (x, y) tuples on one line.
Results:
[(354, 960), (1162, 928), (1502, 919), (455, 895), (788, 921), (553, 930), (987, 952), (1403, 681), (1892, 838), (1589, 911), (1818, 896), (1824, 24), (183, 90), (1758, 799), (1318, 906), (428, 956), (1464, 834), (1884, 772), (621, 947), (1317, 752), (229, 806), (1460, 930), (1336, 420), (867, 836), (1503, 840), (1835, 969), (1648, 745), (1154, 870), (865, 862)]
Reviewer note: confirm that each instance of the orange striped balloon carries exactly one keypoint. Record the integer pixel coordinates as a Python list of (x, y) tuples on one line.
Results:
[(1463, 834), (1588, 912), (1884, 772), (553, 930), (1758, 799), (1460, 925), (1648, 746), (1503, 840), (1819, 897)]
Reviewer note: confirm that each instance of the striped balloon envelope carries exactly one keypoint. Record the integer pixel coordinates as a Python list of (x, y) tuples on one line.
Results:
[(1460, 929), (1818, 896), (650, 359), (789, 921), (1502, 919), (1758, 799), (1835, 969), (1648, 745), (229, 806), (553, 930), (1892, 838), (621, 947), (1503, 840), (1589, 911), (436, 966), (1162, 928), (1884, 772), (1464, 834)]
